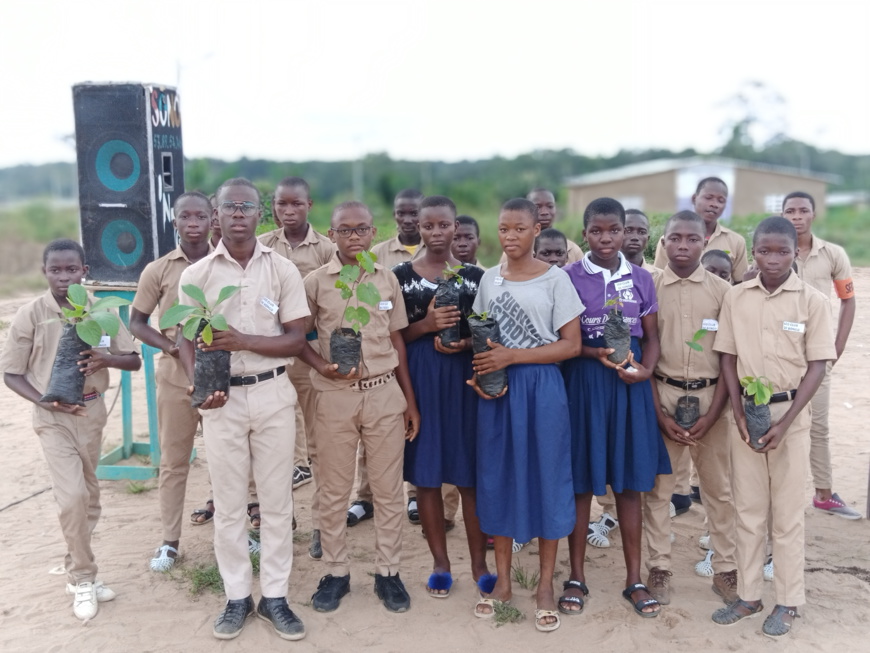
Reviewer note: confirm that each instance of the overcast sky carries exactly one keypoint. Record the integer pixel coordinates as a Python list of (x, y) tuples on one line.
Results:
[(441, 79)]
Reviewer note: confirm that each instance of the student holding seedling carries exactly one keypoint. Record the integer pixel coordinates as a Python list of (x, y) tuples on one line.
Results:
[(689, 399), (177, 420), (615, 441), (709, 202), (259, 328), (364, 395), (776, 338), (70, 429), (524, 440), (438, 340)]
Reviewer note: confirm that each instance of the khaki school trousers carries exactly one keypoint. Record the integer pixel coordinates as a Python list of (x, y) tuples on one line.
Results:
[(820, 448), (306, 425)]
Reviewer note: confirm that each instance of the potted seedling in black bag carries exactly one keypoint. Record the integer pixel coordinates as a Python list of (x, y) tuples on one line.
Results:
[(345, 344), (617, 332), (211, 372), (447, 294), (689, 408), (485, 328), (756, 406), (83, 328)]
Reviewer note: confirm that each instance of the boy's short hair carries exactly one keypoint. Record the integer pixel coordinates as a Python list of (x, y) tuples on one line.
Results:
[(237, 181), (775, 225), (294, 182), (408, 194), (685, 216), (709, 180), (540, 189), (468, 220), (799, 194), (522, 204), (603, 206), (716, 253), (63, 245), (434, 201), (629, 212), (191, 193), (351, 204), (550, 233)]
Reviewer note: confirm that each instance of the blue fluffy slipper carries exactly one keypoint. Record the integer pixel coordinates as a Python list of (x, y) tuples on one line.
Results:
[(487, 583), (438, 583)]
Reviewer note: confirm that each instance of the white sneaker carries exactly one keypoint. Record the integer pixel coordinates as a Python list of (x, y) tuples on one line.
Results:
[(672, 510), (85, 604), (103, 593), (704, 541), (599, 530), (705, 567), (768, 569)]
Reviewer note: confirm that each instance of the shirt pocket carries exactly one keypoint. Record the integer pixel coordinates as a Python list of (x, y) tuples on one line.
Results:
[(791, 350)]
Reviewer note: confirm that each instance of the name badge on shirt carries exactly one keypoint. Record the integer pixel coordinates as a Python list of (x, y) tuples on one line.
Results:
[(622, 285), (498, 281), (105, 342), (796, 327), (269, 305), (429, 284), (385, 305), (710, 325)]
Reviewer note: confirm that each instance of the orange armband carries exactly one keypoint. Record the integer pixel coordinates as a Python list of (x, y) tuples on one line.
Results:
[(845, 288)]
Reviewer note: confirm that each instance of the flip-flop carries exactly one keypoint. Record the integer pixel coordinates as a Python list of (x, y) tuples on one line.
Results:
[(573, 585), (486, 583), (439, 582), (491, 603), (162, 561), (643, 603), (543, 614), (209, 514)]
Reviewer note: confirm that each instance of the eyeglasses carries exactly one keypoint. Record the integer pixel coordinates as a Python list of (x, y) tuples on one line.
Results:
[(247, 208), (359, 231)]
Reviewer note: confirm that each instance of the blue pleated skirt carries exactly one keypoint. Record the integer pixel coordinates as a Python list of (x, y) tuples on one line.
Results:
[(615, 437), (524, 487), (444, 450)]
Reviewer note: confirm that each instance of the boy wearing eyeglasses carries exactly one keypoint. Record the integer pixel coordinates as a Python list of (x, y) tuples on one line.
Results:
[(251, 428), (374, 405)]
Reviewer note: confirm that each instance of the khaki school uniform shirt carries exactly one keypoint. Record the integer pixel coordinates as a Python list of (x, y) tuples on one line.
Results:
[(574, 253), (775, 334), (686, 305), (723, 238), (327, 314), (392, 252), (825, 264), (158, 286), (271, 295), (315, 250), (32, 344)]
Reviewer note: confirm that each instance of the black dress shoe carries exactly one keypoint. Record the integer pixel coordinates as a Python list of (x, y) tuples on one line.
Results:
[(230, 622), (392, 592), (286, 623), (359, 511), (329, 592), (682, 503)]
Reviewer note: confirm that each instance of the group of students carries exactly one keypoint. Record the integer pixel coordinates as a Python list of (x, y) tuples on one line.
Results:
[(570, 423)]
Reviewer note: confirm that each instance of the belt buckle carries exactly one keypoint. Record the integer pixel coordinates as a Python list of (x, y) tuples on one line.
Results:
[(249, 380)]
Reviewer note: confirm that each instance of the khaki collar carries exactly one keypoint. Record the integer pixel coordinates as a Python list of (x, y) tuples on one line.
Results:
[(334, 265), (697, 276), (792, 283), (259, 250)]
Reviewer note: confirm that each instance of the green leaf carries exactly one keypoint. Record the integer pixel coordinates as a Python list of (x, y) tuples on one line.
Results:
[(700, 333), (105, 303), (346, 292), (190, 328), (348, 275), (207, 334), (219, 322), (78, 296), (195, 294), (109, 322), (90, 332), (357, 317), (746, 380), (368, 293), (694, 345), (225, 293), (175, 315), (70, 313), (367, 261)]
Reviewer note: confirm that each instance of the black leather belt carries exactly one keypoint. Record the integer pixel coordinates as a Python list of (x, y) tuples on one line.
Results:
[(688, 385), (256, 378), (788, 395)]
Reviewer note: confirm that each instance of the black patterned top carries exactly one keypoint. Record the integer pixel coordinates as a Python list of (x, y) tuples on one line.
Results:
[(418, 293)]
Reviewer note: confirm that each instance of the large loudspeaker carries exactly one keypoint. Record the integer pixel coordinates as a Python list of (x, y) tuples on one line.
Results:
[(131, 169)]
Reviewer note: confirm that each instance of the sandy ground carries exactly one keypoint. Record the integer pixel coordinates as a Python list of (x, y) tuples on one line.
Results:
[(156, 612)]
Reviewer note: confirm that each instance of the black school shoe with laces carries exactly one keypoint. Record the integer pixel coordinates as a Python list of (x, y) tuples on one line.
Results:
[(230, 622), (329, 592), (285, 622), (392, 592)]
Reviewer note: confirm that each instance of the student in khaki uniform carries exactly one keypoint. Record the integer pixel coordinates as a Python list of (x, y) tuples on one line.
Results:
[(297, 240), (545, 200), (819, 264), (70, 434), (778, 328), (690, 299), (709, 202), (252, 428), (176, 420), (374, 406)]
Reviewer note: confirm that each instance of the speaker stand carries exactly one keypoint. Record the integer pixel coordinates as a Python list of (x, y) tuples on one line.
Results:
[(109, 469)]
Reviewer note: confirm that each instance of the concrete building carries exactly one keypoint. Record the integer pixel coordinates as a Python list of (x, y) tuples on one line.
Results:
[(667, 185)]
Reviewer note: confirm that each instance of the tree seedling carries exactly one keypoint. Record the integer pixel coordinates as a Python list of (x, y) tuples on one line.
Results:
[(192, 316), (91, 322), (348, 283), (689, 408), (759, 388)]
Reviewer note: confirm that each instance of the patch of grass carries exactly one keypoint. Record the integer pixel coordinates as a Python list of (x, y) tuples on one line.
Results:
[(525, 579), (204, 577), (255, 563), (144, 459), (506, 614), (300, 536), (137, 487), (4, 324)]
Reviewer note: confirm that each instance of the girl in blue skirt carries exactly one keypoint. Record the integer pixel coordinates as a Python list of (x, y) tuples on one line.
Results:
[(614, 433), (444, 452), (523, 436)]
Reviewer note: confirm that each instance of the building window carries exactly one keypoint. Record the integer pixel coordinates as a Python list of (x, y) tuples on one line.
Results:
[(773, 204)]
